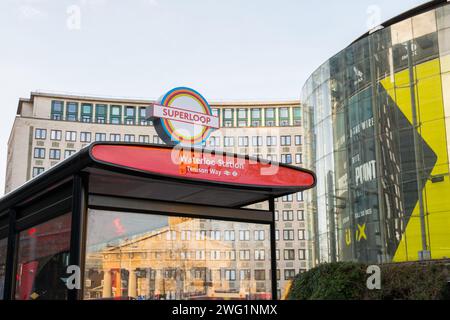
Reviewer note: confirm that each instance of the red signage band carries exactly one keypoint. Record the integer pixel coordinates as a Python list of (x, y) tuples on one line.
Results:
[(198, 165)]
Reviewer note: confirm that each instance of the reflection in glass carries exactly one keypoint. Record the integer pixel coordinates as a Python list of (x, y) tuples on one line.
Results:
[(144, 256), (368, 164), (3, 246), (43, 257)]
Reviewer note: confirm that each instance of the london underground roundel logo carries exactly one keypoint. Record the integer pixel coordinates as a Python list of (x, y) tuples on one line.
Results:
[(183, 116)]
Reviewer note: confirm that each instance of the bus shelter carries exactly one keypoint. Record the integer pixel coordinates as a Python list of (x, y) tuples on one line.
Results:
[(143, 221)]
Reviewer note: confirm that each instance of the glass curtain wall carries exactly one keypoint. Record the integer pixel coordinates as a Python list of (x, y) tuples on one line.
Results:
[(379, 110)]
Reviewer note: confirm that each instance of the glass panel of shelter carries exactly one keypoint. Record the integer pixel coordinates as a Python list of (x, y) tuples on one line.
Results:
[(152, 256)]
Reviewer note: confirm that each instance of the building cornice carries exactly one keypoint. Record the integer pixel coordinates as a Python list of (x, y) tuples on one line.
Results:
[(111, 100)]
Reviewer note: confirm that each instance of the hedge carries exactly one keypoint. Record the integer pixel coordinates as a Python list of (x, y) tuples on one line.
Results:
[(347, 281)]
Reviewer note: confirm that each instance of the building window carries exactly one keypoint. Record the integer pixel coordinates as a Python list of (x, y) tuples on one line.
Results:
[(68, 153), (185, 235), (200, 235), (228, 141), (244, 235), (286, 158), (285, 140), (85, 136), (37, 171), (230, 275), (244, 274), (288, 215), (260, 275), (301, 234), (297, 114), (57, 110), (214, 141), (171, 235), (72, 111), (144, 139), (298, 158), (289, 274), (115, 137), (55, 135), (143, 121), (71, 136), (256, 156), (156, 139), (287, 198), (300, 215), (242, 117), (100, 136), (288, 234), (86, 112), (257, 141), (244, 255), (277, 254), (228, 120), (259, 235), (276, 215), (200, 255), (301, 254), (129, 138), (55, 154), (230, 255), (100, 113), (39, 153), (300, 196), (259, 254), (269, 117), (289, 254), (283, 117), (215, 235), (229, 235), (130, 115), (115, 116), (40, 134), (277, 235), (272, 157), (216, 113), (298, 140), (256, 117), (215, 255), (271, 141), (243, 141)]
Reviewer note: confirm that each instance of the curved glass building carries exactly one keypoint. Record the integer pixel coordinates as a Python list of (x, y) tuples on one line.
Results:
[(379, 115)]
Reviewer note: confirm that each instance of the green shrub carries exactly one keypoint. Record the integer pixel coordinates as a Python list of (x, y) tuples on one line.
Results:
[(339, 281), (414, 281), (347, 281)]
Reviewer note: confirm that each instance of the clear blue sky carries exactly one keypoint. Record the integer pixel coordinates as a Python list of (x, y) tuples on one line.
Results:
[(226, 49)]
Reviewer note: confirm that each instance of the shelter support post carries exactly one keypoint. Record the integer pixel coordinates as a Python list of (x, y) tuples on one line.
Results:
[(78, 227), (273, 248), (11, 255)]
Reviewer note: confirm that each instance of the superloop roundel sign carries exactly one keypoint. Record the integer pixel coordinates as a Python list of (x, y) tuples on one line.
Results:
[(183, 116)]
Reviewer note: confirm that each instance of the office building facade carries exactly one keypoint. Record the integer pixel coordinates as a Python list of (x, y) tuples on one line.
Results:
[(51, 127)]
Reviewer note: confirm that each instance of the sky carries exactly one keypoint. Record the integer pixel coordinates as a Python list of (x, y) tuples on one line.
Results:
[(226, 49)]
